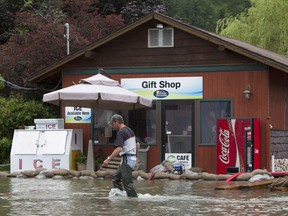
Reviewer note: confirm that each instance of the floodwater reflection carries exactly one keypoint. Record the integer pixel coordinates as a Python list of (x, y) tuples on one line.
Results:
[(160, 197)]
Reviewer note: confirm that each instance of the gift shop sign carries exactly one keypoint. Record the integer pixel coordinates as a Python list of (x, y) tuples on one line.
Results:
[(166, 88)]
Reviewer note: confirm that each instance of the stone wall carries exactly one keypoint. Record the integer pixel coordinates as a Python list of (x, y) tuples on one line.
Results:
[(279, 148)]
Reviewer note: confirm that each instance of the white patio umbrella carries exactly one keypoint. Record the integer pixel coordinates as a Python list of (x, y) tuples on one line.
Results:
[(99, 92)]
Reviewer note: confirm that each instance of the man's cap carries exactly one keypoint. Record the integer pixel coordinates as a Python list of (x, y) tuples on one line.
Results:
[(116, 117)]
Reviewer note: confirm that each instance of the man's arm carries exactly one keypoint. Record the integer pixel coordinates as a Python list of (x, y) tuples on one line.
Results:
[(114, 154)]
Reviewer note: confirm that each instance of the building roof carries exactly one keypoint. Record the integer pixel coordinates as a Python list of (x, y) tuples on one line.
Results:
[(261, 55)]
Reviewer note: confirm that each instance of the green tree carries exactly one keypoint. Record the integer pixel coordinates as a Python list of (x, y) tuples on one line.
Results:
[(5, 149), (263, 25), (201, 14), (8, 9), (37, 39), (204, 14), (227, 8), (16, 111), (131, 10)]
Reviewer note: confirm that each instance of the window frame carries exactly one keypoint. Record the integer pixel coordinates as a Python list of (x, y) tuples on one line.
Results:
[(99, 113), (230, 100), (160, 37), (155, 107)]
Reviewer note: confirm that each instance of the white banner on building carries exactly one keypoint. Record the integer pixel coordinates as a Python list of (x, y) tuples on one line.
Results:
[(77, 115), (166, 87)]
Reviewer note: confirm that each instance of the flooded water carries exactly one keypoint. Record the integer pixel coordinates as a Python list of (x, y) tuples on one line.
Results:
[(160, 197)]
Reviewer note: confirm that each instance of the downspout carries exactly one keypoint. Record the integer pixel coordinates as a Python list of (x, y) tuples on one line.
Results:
[(285, 101), (267, 155)]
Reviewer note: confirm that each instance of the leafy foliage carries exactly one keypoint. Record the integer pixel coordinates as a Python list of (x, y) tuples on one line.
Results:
[(227, 8), (194, 12), (2, 85), (5, 148), (16, 112), (263, 25), (131, 10), (81, 159), (8, 10), (38, 41), (204, 14)]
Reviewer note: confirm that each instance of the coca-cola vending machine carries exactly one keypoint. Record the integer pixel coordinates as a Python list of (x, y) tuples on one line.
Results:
[(238, 145)]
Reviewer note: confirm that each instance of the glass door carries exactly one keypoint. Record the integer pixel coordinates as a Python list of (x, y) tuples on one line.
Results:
[(177, 127)]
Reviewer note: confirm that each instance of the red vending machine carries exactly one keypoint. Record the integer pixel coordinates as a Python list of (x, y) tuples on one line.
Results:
[(238, 145)]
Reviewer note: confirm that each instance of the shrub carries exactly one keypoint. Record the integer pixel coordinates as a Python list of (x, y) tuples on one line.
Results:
[(16, 111), (5, 148)]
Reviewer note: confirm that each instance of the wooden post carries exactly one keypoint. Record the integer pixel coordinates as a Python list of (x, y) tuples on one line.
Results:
[(267, 154)]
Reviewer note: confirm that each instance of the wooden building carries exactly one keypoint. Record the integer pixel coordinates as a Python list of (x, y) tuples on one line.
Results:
[(157, 47)]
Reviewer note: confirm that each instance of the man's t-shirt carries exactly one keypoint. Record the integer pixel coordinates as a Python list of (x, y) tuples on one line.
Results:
[(127, 140)]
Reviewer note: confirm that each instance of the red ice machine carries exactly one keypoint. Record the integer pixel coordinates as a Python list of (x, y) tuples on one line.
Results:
[(238, 145)]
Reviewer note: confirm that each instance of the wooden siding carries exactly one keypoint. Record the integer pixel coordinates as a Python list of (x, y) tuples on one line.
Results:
[(131, 50), (231, 85), (278, 111), (215, 85)]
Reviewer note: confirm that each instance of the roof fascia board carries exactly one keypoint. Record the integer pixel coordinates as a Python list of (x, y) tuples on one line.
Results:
[(176, 69)]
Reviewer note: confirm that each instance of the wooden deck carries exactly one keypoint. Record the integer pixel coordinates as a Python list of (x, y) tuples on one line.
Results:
[(244, 185)]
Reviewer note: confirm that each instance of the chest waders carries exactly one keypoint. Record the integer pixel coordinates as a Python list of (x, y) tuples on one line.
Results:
[(123, 176)]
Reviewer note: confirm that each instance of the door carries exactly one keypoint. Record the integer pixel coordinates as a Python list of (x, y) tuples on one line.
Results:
[(177, 127), (53, 142), (25, 142)]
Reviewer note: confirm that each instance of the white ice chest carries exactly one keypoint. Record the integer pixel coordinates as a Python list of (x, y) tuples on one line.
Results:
[(50, 149), (49, 124)]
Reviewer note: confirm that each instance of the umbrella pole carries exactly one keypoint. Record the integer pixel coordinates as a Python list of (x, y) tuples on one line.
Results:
[(90, 153)]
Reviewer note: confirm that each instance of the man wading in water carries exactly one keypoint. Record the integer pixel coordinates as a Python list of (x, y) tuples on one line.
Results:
[(125, 146)]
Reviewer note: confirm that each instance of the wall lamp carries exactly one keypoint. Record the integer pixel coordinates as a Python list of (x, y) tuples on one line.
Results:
[(247, 92), (159, 26)]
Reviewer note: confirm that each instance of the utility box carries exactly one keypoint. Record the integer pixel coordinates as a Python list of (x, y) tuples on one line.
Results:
[(49, 124), (50, 149), (142, 156)]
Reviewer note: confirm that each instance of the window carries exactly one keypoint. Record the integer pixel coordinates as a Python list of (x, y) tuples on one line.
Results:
[(161, 37), (143, 122), (209, 112), (103, 133)]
